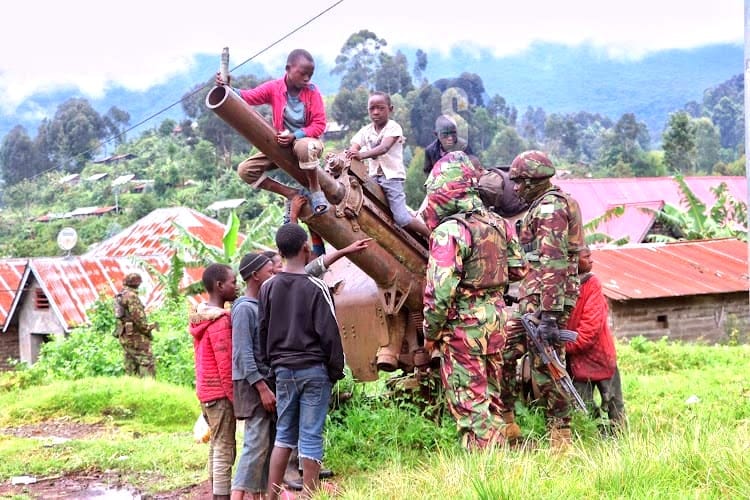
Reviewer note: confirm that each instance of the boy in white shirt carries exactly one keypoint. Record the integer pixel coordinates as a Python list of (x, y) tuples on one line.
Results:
[(381, 143)]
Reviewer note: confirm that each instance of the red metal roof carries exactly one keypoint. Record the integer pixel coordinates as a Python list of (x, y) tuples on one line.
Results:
[(147, 235), (597, 195), (675, 269), (73, 284), (11, 272)]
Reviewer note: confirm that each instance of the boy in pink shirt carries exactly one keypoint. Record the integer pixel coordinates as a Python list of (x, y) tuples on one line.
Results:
[(299, 119)]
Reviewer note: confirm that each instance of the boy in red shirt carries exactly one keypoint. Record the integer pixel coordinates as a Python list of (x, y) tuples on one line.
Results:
[(299, 119), (211, 328), (592, 360)]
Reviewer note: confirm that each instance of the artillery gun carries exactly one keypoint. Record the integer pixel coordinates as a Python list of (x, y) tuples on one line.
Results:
[(378, 291)]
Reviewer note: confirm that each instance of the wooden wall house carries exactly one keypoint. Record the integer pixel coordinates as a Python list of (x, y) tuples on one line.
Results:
[(695, 290)]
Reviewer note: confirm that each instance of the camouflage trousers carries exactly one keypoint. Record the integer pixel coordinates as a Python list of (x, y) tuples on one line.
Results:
[(472, 388), (139, 361), (551, 396)]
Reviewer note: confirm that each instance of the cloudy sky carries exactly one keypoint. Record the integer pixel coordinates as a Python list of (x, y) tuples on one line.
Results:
[(48, 45)]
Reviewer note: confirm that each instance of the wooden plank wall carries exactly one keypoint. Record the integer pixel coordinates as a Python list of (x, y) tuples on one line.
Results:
[(9, 347), (695, 318)]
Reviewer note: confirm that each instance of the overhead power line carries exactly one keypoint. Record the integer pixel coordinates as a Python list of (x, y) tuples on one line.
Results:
[(203, 87)]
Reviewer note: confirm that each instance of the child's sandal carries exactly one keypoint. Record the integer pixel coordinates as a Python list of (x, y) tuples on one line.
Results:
[(319, 203)]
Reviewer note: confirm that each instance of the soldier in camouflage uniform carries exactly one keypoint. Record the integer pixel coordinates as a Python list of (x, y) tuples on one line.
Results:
[(472, 256), (552, 235), (132, 329)]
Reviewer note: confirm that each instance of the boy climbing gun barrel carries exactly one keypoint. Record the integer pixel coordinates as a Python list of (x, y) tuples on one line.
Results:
[(549, 357), (380, 315)]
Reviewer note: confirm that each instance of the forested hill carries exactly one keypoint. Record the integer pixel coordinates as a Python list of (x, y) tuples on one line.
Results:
[(554, 77)]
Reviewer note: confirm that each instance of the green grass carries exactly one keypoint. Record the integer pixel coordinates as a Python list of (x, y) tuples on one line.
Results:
[(140, 404), (386, 446)]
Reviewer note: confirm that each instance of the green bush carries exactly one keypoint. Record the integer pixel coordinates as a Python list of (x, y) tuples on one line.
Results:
[(94, 352)]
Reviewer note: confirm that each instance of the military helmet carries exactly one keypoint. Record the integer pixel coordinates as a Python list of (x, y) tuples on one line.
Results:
[(531, 165), (133, 280)]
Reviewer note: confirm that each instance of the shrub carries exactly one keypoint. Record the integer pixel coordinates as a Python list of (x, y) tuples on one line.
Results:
[(93, 351)]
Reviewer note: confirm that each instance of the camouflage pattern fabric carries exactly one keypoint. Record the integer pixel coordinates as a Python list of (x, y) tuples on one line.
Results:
[(552, 235), (451, 189), (551, 397), (134, 333), (462, 309), (472, 389)]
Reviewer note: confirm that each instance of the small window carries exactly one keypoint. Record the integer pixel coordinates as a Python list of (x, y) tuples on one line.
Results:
[(40, 299), (662, 321)]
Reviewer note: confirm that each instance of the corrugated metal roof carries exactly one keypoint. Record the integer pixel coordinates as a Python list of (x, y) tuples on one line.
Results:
[(123, 179), (83, 211), (73, 284), (96, 177), (597, 195), (11, 272), (146, 237), (69, 178), (221, 205), (675, 269)]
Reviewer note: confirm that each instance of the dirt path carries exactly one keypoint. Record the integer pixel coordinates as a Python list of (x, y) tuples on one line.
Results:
[(83, 485), (101, 486)]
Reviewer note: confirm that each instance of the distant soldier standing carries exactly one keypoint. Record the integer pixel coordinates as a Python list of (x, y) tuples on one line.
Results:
[(473, 254), (552, 235), (132, 330)]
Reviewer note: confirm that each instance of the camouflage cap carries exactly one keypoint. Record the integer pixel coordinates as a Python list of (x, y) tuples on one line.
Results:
[(531, 165), (451, 188), (133, 280)]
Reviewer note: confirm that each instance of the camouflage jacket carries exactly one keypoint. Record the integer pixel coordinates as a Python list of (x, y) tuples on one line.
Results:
[(130, 313), (454, 309), (552, 235), (459, 305)]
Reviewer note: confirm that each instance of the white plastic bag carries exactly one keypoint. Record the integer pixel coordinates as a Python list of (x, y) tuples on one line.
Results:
[(201, 430)]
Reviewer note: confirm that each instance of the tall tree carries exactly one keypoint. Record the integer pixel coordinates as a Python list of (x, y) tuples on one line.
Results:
[(506, 145), (498, 108), (728, 116), (74, 133), (17, 156), (115, 121), (349, 107), (532, 124), (707, 144), (358, 59), (482, 128), (425, 108), (392, 75), (471, 83), (420, 65), (679, 143)]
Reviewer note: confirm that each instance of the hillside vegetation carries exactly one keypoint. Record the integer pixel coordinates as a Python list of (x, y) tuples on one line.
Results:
[(192, 162)]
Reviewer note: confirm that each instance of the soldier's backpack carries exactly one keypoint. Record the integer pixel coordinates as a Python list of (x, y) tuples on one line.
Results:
[(496, 191), (487, 267), (119, 308)]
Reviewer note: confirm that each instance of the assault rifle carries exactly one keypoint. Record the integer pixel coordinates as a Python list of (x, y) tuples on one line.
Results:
[(550, 358)]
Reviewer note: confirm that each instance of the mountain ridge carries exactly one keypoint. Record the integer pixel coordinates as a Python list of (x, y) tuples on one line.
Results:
[(557, 78)]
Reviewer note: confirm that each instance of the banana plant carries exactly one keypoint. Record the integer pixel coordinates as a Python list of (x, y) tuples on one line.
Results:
[(727, 217), (592, 236), (191, 252)]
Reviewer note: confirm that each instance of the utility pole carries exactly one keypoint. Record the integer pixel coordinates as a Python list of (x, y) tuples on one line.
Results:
[(747, 117)]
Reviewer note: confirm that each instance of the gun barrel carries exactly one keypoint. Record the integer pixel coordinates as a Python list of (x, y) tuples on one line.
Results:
[(552, 361), (393, 263)]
